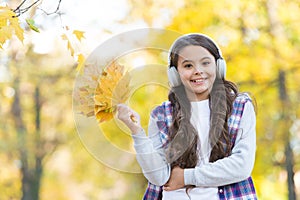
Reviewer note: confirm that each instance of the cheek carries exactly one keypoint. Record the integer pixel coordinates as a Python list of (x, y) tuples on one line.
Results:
[(185, 75), (212, 75), (212, 71)]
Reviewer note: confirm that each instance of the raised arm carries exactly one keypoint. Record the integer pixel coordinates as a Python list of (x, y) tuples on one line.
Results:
[(150, 153)]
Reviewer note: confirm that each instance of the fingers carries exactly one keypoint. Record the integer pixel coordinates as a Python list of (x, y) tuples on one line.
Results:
[(126, 114), (129, 117), (123, 111), (166, 188), (170, 187), (176, 180)]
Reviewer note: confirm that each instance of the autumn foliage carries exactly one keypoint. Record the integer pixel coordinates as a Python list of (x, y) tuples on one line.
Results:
[(102, 92), (9, 26)]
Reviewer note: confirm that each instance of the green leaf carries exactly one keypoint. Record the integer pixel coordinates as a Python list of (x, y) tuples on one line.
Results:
[(32, 26)]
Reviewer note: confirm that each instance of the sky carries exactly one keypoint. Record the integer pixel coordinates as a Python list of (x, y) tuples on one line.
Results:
[(98, 19), (89, 16)]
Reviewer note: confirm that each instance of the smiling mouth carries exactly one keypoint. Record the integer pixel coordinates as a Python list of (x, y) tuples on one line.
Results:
[(198, 80)]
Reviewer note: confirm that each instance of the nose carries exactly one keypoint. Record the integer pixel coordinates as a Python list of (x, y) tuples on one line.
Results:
[(198, 70)]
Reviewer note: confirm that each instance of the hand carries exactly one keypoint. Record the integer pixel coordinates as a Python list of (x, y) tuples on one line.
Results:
[(176, 180), (130, 118)]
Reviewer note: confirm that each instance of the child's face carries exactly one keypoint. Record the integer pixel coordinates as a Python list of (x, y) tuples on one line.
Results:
[(197, 69)]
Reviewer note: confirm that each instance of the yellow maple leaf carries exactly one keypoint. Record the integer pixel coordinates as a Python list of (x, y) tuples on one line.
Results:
[(5, 34), (69, 45), (70, 48), (112, 87), (64, 37), (6, 13), (80, 61), (79, 34), (103, 116), (9, 25), (16, 26)]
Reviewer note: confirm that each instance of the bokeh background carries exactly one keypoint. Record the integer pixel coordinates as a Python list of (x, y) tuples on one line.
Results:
[(42, 156)]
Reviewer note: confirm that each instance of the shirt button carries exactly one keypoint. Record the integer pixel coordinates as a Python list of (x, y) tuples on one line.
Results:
[(220, 190)]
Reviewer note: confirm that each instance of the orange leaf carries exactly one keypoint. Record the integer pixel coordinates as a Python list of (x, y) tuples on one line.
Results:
[(104, 116)]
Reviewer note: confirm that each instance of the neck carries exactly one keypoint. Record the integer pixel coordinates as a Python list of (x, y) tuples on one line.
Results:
[(197, 97)]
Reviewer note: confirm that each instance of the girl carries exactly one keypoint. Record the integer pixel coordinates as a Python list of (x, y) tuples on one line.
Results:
[(201, 143)]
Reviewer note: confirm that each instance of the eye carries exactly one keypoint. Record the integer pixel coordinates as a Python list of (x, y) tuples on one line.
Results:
[(188, 66), (206, 63)]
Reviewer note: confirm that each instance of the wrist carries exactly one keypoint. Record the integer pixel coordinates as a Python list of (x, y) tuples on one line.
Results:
[(188, 176), (135, 129)]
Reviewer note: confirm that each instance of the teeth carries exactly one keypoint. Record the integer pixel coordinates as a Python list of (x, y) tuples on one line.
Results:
[(198, 80)]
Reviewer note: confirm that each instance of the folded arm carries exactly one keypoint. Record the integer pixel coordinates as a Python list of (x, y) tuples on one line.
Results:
[(238, 166)]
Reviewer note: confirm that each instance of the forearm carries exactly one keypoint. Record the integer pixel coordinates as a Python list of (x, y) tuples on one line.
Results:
[(152, 161), (238, 166), (222, 172), (150, 153)]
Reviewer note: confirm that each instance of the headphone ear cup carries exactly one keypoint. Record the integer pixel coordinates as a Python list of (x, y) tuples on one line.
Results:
[(174, 77), (221, 65)]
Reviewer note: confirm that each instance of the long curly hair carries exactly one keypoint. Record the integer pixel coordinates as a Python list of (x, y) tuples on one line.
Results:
[(183, 149)]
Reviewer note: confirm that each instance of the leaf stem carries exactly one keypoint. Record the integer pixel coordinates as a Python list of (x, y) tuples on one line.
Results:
[(19, 11)]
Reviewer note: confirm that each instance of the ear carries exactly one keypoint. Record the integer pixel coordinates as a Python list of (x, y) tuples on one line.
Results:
[(174, 77)]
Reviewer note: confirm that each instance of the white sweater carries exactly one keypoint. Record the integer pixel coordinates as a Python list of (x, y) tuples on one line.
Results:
[(206, 176)]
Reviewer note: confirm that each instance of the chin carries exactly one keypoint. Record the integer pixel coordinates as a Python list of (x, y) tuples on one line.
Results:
[(200, 91)]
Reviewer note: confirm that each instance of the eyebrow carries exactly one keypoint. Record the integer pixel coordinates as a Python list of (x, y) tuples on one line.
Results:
[(206, 57)]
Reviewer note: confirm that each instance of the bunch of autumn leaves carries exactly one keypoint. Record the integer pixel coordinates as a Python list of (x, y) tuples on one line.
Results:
[(103, 91)]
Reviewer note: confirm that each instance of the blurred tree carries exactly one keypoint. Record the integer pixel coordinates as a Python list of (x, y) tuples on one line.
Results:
[(277, 33), (27, 119), (158, 14)]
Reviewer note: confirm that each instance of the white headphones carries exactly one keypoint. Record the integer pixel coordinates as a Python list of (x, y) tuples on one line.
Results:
[(173, 75)]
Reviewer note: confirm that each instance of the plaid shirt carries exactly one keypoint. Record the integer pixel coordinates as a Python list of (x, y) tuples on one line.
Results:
[(243, 190)]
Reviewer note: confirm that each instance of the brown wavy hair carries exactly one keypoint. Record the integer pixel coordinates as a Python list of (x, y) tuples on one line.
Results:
[(184, 144)]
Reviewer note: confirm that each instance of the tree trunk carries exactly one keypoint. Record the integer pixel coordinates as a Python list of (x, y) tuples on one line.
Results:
[(289, 164), (23, 151), (276, 31), (289, 156), (39, 153), (31, 174)]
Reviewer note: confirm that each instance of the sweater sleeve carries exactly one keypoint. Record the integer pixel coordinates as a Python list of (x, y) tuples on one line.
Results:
[(234, 168), (151, 156)]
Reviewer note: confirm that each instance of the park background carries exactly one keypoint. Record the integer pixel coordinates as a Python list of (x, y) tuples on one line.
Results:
[(41, 153)]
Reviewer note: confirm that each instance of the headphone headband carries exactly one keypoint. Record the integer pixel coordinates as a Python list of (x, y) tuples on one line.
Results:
[(199, 34)]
